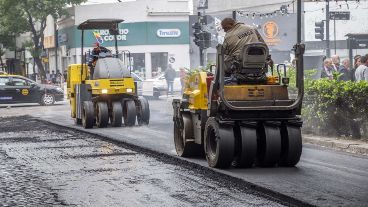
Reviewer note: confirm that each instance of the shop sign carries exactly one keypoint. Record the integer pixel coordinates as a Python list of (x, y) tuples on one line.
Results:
[(172, 58), (104, 35), (271, 32), (62, 38), (49, 42), (169, 33)]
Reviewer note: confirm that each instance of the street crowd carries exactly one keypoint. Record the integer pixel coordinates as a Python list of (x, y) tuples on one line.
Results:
[(51, 78), (359, 72)]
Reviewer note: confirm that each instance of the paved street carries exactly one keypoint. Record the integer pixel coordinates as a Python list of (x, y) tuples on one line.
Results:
[(323, 177), (43, 165)]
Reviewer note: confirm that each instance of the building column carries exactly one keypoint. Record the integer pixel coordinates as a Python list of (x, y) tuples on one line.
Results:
[(148, 65)]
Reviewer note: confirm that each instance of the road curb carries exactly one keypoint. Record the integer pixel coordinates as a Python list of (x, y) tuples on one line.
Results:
[(350, 146), (267, 192)]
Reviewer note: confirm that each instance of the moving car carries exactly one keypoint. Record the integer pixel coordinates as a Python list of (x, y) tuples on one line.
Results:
[(18, 89)]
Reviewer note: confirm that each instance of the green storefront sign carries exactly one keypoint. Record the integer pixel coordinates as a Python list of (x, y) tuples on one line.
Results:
[(140, 33)]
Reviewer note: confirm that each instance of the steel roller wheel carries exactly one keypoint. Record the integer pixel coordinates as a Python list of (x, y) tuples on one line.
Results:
[(129, 113), (88, 115), (247, 153), (102, 115), (269, 145), (143, 115), (116, 118), (47, 99), (183, 138), (219, 144), (291, 148)]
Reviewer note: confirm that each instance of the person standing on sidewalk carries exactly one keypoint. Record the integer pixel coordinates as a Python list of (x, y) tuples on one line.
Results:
[(170, 77), (327, 69), (335, 63), (361, 73), (345, 71), (182, 79)]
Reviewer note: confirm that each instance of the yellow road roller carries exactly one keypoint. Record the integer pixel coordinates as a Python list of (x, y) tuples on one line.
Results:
[(104, 92), (242, 123)]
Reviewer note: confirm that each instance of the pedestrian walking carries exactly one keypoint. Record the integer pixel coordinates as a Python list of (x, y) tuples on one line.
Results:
[(170, 77), (53, 77)]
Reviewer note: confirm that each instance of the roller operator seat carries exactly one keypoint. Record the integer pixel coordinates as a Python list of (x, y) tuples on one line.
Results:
[(253, 66)]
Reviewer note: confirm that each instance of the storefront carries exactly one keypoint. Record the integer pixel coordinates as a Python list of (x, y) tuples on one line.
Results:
[(152, 45)]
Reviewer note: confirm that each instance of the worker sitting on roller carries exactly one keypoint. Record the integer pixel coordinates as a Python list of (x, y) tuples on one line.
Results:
[(96, 52), (95, 55), (237, 36)]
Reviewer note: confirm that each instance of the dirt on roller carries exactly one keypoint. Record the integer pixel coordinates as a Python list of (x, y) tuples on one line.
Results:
[(43, 165)]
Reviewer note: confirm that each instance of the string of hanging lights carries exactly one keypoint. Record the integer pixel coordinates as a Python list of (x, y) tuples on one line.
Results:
[(283, 11)]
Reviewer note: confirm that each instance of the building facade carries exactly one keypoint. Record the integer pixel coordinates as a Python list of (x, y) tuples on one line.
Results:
[(155, 32)]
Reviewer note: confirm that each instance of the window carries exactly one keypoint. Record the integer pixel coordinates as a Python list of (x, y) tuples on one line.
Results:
[(4, 81), (19, 82)]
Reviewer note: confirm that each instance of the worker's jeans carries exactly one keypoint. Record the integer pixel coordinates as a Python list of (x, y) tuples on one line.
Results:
[(230, 80), (170, 87)]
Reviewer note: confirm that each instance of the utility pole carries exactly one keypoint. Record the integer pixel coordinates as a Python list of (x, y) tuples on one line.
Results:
[(328, 52), (202, 6), (201, 51), (56, 39), (234, 15)]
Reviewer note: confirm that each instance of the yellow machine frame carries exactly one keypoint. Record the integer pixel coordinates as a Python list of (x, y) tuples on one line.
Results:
[(99, 86), (196, 91)]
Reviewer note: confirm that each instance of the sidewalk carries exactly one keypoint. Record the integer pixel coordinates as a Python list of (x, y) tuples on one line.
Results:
[(345, 145)]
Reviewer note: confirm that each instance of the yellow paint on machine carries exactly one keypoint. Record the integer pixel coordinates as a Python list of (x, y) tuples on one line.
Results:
[(196, 90), (112, 86), (74, 77), (255, 92)]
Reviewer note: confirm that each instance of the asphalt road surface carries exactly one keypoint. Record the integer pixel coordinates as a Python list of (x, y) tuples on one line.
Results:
[(322, 177), (44, 165)]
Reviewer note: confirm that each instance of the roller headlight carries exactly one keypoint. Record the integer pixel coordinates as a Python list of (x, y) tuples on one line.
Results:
[(129, 90), (104, 91)]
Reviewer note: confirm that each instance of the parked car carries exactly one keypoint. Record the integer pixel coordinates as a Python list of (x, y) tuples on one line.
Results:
[(18, 89), (160, 86)]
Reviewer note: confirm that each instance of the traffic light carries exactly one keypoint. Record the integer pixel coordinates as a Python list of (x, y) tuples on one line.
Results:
[(201, 38), (197, 32), (319, 30)]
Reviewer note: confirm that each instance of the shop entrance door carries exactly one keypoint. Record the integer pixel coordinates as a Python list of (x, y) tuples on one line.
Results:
[(159, 63)]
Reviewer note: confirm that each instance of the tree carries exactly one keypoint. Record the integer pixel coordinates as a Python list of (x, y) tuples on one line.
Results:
[(2, 52), (19, 16)]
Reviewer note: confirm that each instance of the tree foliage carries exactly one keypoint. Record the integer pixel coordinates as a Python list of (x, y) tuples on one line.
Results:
[(19, 16)]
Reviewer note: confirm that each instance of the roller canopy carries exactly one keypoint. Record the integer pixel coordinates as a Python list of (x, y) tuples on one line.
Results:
[(100, 24)]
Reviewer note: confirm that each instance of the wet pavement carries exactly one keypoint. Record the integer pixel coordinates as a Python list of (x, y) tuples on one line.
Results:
[(45, 165)]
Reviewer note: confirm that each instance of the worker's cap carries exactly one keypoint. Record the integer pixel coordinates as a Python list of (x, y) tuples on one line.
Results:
[(96, 44)]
